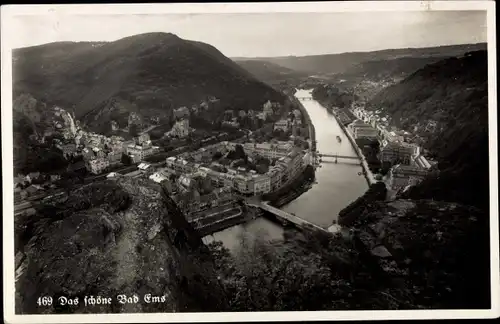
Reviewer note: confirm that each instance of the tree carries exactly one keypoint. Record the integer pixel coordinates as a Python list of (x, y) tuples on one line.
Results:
[(288, 276)]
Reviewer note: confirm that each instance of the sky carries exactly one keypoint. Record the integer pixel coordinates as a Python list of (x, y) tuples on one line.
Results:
[(267, 34)]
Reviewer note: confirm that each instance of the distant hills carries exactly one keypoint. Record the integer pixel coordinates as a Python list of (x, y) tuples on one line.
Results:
[(341, 63), (148, 74), (271, 73)]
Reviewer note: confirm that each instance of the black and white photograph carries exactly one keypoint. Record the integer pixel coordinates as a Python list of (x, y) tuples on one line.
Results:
[(190, 162)]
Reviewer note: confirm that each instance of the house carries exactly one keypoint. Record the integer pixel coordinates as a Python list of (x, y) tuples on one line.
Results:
[(283, 124), (98, 152), (297, 114), (32, 176), (114, 157), (158, 177), (112, 175), (142, 138), (68, 149), (180, 129), (20, 181), (401, 176), (267, 109), (396, 152), (144, 166), (422, 162), (31, 190), (139, 152), (261, 184)]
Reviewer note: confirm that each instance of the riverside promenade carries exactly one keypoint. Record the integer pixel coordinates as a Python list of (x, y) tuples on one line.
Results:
[(366, 170)]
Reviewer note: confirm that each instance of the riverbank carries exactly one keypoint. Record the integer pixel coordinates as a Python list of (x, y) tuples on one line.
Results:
[(366, 169), (301, 184), (334, 187), (308, 121)]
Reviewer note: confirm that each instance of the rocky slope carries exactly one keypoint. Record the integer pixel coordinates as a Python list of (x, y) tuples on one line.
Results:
[(424, 247), (148, 74), (116, 237)]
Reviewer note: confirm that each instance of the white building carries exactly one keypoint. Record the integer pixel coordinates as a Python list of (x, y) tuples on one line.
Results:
[(112, 175), (422, 162), (269, 150), (261, 184), (267, 109), (180, 129), (143, 138), (144, 166), (139, 152)]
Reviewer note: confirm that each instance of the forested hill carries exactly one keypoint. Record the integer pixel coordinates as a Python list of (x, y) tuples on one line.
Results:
[(446, 103), (271, 73), (148, 74)]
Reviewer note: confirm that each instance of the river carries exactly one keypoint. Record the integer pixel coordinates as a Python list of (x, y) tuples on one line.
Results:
[(337, 184)]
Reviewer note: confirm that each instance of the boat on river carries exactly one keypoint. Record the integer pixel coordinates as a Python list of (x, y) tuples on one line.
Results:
[(339, 139)]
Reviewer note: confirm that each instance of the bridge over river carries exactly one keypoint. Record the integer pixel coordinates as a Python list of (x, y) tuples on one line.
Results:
[(339, 156), (282, 215), (304, 98)]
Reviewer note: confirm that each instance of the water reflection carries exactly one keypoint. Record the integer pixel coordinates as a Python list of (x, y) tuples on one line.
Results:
[(337, 184)]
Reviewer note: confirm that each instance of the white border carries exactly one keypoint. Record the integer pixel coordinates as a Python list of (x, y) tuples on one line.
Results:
[(105, 9)]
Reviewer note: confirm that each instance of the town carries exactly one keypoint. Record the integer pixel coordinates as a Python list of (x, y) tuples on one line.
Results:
[(399, 160), (220, 172), (202, 178)]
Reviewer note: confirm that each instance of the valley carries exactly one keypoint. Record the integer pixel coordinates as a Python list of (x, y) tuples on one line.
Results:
[(146, 161)]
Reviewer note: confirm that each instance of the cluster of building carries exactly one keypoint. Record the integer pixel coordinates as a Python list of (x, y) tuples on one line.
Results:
[(409, 166), (288, 162), (101, 152), (290, 124), (32, 183), (232, 117)]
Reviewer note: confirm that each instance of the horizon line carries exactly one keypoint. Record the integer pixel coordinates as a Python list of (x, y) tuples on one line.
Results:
[(253, 57)]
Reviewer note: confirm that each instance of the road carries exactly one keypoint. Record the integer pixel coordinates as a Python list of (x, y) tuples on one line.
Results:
[(150, 128), (233, 207)]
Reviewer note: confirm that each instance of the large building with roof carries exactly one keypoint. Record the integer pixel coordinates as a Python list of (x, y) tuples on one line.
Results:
[(402, 176), (397, 152), (360, 129)]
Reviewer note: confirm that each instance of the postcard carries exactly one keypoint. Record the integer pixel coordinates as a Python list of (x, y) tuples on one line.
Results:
[(249, 161)]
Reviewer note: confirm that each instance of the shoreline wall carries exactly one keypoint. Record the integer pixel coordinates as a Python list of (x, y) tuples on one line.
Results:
[(367, 173)]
